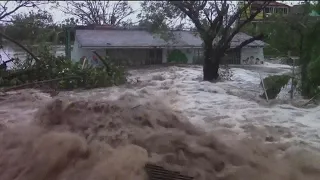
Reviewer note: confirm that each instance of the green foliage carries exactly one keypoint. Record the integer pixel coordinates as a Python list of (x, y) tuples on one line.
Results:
[(313, 80), (33, 27), (282, 32), (274, 84), (298, 34), (310, 61), (176, 56), (52, 67), (98, 12)]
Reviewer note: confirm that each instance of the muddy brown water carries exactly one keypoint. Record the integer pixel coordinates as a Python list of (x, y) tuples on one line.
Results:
[(74, 138)]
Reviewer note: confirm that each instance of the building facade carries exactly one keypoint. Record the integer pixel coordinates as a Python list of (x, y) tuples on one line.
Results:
[(273, 8), (140, 47)]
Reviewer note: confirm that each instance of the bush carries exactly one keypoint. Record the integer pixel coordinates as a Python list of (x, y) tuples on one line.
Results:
[(51, 67), (313, 72), (274, 84)]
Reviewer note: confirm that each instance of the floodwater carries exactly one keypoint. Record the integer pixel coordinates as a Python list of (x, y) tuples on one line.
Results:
[(165, 116)]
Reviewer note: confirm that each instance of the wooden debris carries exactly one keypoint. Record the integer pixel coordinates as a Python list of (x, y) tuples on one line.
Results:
[(159, 173)]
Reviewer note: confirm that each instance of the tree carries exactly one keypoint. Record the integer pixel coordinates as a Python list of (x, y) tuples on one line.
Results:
[(6, 12), (98, 12), (297, 33), (282, 33), (70, 22), (31, 27), (215, 21)]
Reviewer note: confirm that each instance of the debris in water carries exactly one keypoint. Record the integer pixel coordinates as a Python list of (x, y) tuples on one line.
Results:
[(159, 173)]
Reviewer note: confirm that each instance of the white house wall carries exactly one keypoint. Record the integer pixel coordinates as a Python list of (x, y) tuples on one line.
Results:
[(164, 55), (77, 52), (252, 55)]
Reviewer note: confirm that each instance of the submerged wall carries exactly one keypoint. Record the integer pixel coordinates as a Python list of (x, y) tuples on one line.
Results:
[(252, 55), (78, 54)]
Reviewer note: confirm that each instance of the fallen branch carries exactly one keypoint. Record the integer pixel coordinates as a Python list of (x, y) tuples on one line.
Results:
[(84, 63), (102, 60), (37, 82), (21, 46), (265, 91), (3, 66), (310, 100)]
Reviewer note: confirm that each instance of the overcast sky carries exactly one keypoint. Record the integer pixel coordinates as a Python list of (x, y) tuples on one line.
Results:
[(59, 16)]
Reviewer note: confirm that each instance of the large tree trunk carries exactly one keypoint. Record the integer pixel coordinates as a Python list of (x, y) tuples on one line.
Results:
[(211, 63)]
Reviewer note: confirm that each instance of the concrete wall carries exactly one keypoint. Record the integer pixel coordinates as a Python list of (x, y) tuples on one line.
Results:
[(77, 53), (252, 55)]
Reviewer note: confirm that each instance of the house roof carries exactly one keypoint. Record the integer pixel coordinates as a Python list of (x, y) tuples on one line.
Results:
[(142, 38), (271, 3), (240, 37)]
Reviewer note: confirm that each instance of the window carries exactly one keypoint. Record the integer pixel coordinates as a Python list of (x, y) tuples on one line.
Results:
[(151, 53), (159, 53), (267, 10), (285, 11), (280, 10)]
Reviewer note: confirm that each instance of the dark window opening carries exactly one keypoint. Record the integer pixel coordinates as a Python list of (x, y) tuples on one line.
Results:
[(151, 54), (155, 56)]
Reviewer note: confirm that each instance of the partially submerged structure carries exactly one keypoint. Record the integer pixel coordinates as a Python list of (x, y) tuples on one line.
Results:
[(140, 47)]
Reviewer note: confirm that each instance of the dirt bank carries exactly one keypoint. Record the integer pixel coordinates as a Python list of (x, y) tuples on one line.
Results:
[(76, 139)]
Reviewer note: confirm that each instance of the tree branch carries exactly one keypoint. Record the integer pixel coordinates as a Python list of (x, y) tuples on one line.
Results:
[(238, 28), (21, 46), (193, 15), (248, 41)]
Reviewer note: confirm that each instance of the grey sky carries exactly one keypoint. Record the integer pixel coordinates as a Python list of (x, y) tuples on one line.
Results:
[(59, 16)]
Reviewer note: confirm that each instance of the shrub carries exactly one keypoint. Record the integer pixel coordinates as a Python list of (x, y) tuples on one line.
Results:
[(313, 72), (273, 85), (51, 67)]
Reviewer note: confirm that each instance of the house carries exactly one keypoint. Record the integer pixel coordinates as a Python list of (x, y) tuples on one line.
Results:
[(139, 47), (273, 8)]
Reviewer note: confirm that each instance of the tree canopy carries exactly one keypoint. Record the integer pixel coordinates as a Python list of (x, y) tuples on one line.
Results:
[(215, 21), (98, 12), (32, 26)]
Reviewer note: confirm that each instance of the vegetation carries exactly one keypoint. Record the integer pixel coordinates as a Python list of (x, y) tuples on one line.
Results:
[(33, 27), (274, 84), (314, 77), (98, 12), (310, 62), (298, 34), (71, 75), (40, 66)]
